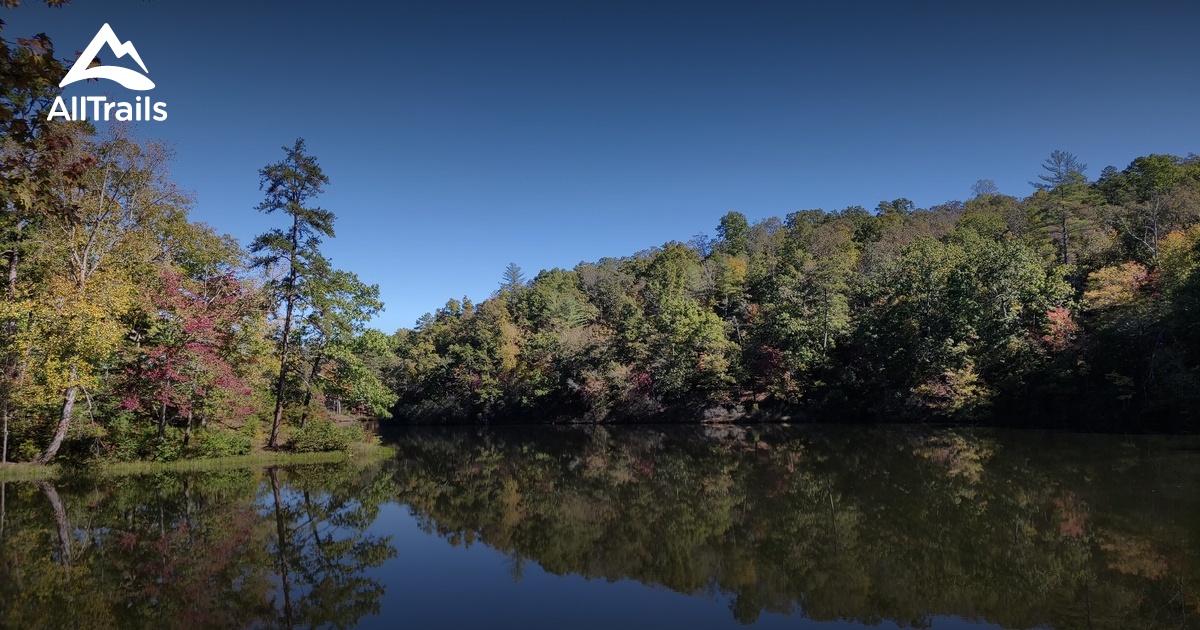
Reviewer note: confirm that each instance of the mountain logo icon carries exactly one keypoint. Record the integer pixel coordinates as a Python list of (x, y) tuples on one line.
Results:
[(83, 68)]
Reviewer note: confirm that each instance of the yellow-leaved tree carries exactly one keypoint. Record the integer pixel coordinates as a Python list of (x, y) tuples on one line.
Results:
[(93, 249)]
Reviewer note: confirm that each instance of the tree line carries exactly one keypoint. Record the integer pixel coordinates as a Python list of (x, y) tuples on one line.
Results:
[(1073, 306), (128, 330)]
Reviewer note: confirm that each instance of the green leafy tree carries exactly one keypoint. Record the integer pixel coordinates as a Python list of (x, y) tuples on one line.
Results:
[(101, 244), (39, 160), (734, 233), (339, 305), (1154, 196)]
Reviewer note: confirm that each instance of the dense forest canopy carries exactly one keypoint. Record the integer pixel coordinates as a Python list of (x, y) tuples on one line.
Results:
[(1075, 306)]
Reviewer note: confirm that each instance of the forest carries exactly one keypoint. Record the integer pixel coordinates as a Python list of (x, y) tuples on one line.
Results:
[(1075, 306), (130, 331)]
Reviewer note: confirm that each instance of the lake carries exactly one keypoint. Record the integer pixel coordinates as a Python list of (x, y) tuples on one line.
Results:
[(630, 527)]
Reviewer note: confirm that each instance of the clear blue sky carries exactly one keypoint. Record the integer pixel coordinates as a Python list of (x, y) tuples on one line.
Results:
[(460, 136)]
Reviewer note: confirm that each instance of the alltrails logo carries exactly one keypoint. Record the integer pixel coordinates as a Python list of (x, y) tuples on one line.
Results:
[(143, 108)]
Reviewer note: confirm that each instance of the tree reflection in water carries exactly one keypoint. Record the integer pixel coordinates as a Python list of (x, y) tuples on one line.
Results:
[(202, 550), (859, 525), (1018, 529)]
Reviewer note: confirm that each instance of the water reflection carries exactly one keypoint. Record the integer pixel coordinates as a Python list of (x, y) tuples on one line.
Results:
[(1016, 529), (860, 526), (322, 548), (207, 550)]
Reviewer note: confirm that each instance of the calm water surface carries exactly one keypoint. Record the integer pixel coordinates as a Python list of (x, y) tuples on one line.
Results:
[(630, 527)]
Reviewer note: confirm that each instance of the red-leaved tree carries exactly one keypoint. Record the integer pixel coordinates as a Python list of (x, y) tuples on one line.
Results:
[(188, 363)]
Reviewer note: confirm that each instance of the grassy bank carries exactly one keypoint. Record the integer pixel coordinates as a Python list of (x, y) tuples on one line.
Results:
[(258, 459), (28, 472)]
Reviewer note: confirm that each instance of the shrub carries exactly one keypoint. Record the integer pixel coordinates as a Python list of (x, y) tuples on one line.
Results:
[(221, 443), (170, 448), (126, 441), (252, 428), (323, 436), (26, 451)]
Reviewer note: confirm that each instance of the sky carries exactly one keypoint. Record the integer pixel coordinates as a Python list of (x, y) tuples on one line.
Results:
[(461, 136)]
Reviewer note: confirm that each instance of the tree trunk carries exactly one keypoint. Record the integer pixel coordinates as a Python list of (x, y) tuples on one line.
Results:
[(281, 532), (1066, 239), (10, 330), (825, 322), (64, 421), (287, 333), (308, 392), (1154, 221), (162, 423), (14, 257), (187, 432), (283, 356)]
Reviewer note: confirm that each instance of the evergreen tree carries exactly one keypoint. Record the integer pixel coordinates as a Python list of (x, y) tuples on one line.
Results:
[(291, 184)]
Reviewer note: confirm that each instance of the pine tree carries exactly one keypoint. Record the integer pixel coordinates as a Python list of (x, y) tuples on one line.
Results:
[(291, 184)]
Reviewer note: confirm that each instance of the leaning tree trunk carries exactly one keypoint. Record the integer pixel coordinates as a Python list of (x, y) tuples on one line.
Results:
[(64, 421)]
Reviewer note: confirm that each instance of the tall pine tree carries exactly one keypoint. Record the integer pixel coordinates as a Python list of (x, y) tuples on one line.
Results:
[(291, 184)]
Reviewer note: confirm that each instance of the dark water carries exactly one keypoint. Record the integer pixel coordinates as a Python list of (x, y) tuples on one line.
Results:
[(630, 528)]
